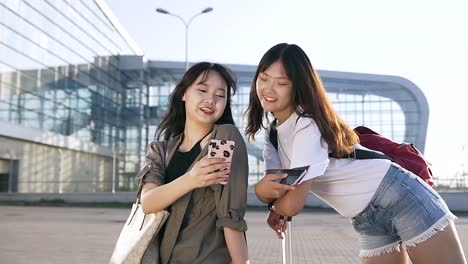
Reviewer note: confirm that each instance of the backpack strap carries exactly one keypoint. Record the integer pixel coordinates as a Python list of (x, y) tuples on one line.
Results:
[(356, 154), (362, 154), (273, 135)]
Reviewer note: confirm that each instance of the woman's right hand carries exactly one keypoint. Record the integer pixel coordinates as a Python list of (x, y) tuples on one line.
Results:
[(205, 172), (268, 189)]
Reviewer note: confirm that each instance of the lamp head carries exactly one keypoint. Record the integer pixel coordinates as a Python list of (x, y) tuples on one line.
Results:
[(207, 10), (162, 11)]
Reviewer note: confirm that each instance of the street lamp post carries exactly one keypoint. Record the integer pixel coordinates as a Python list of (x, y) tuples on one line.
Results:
[(186, 24)]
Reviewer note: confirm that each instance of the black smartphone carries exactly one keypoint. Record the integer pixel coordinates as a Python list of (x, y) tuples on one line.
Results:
[(294, 175)]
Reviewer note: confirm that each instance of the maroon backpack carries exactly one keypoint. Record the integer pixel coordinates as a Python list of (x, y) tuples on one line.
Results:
[(405, 154)]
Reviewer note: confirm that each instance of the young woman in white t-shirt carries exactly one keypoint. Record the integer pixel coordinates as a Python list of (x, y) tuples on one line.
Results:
[(394, 212)]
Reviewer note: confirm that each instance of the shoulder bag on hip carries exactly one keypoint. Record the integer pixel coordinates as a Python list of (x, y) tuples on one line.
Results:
[(140, 228)]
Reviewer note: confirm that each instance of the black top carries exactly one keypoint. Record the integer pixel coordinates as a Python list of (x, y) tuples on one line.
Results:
[(178, 165), (181, 161)]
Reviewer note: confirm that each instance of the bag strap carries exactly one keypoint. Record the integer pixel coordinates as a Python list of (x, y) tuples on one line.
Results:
[(356, 154), (273, 135), (361, 154), (161, 145)]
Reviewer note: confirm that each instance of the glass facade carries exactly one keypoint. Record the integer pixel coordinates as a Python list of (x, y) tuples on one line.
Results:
[(60, 72), (67, 69), (379, 113), (389, 105)]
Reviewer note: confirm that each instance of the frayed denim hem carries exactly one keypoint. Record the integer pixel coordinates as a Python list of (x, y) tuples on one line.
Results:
[(368, 253), (402, 245), (431, 231)]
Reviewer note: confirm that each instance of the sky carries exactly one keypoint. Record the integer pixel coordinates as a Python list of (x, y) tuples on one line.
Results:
[(425, 42)]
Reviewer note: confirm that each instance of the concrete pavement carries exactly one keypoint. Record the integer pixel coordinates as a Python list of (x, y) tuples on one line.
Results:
[(87, 235)]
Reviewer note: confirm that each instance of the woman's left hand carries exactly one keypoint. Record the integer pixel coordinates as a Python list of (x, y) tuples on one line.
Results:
[(277, 224)]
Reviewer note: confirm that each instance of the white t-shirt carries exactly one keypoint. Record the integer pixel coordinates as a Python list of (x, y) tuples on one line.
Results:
[(346, 185)]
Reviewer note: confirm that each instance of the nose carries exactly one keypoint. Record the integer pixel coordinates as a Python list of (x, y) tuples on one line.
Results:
[(209, 98), (267, 86)]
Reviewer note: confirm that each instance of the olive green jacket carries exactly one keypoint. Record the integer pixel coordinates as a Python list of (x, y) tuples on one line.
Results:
[(194, 230)]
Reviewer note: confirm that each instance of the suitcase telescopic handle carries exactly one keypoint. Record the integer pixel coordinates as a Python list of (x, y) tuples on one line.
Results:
[(286, 242)]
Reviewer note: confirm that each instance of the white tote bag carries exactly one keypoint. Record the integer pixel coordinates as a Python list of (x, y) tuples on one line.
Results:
[(137, 234), (140, 229)]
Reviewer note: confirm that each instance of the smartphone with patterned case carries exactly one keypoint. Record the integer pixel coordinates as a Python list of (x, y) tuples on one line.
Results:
[(221, 148)]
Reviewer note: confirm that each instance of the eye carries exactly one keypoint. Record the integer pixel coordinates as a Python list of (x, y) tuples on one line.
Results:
[(283, 83), (262, 78), (201, 90), (221, 95)]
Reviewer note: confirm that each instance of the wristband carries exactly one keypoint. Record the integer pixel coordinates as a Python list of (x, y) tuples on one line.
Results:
[(271, 206)]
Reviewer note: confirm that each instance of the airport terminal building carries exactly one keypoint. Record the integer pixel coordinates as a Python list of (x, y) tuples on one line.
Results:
[(79, 101)]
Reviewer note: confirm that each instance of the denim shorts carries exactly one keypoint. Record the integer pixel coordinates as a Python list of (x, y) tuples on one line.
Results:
[(404, 211)]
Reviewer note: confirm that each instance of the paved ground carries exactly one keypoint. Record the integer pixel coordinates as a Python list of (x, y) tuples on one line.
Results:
[(87, 235)]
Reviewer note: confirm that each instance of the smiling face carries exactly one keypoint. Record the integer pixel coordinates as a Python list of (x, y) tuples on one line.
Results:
[(205, 100), (274, 91)]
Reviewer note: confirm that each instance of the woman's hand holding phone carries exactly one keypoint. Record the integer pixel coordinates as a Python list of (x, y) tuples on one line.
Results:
[(208, 171), (269, 187), (221, 148)]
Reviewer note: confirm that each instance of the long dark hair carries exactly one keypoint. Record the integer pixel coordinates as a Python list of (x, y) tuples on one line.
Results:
[(309, 98), (173, 122)]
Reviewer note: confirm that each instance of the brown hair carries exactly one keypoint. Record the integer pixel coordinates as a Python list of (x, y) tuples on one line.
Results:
[(309, 99), (173, 121)]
